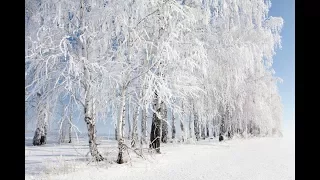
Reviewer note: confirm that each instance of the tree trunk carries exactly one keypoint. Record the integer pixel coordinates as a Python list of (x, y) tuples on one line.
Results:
[(115, 133), (203, 130), (173, 125), (190, 125), (182, 130), (92, 140), (222, 126), (196, 125), (70, 126), (213, 128), (207, 129), (164, 135), (40, 135), (144, 126), (134, 136), (120, 126), (90, 121), (63, 130), (182, 125), (89, 115), (156, 125), (129, 122)]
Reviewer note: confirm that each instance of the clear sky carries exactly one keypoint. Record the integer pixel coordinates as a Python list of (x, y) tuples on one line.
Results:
[(284, 60)]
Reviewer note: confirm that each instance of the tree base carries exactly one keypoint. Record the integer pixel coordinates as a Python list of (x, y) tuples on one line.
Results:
[(39, 137), (158, 151), (98, 158), (120, 158), (152, 147), (164, 140), (220, 138), (39, 142)]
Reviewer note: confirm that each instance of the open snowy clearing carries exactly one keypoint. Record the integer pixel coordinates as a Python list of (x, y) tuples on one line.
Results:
[(251, 159)]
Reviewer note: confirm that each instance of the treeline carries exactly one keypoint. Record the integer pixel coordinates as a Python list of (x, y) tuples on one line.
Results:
[(204, 66)]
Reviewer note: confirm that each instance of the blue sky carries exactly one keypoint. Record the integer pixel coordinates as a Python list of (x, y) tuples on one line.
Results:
[(284, 60)]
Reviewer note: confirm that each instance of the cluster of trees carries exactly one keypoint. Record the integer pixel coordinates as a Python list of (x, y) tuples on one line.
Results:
[(204, 64)]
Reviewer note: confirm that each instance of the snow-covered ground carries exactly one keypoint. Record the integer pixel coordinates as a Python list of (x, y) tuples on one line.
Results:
[(238, 159)]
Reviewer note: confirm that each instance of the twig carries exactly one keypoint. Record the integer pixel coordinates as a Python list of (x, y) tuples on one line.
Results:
[(146, 17)]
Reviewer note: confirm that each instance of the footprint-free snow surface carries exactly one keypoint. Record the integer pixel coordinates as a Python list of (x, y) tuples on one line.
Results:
[(237, 159)]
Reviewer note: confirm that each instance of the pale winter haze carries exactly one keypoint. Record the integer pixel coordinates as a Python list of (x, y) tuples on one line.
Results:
[(154, 88)]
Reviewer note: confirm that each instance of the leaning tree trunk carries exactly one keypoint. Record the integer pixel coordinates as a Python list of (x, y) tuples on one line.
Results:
[(120, 126), (164, 135), (134, 136), (40, 135), (156, 125), (173, 125)]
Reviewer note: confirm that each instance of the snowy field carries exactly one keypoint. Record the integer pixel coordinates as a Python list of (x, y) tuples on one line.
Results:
[(237, 159)]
